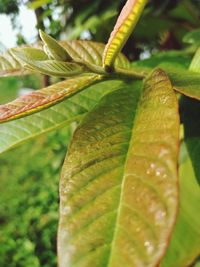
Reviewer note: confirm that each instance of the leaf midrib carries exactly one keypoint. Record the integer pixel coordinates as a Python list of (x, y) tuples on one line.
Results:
[(123, 180)]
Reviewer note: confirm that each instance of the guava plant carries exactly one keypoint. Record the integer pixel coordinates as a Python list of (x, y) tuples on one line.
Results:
[(129, 196)]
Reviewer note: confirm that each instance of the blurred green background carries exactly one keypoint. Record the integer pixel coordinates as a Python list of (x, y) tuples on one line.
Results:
[(29, 174)]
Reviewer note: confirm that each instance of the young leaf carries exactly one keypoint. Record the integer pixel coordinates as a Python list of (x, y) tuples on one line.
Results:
[(184, 246), (118, 188), (125, 24), (36, 60), (16, 132), (53, 48), (45, 97)]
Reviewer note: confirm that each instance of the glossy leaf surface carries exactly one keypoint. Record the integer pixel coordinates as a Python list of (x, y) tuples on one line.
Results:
[(119, 181), (16, 132), (45, 97), (184, 247), (122, 30)]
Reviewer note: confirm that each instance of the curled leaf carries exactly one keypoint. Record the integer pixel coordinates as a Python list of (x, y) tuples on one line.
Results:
[(125, 24)]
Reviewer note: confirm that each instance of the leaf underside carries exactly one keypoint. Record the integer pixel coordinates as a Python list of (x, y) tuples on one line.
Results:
[(45, 97), (118, 188), (122, 30), (13, 133)]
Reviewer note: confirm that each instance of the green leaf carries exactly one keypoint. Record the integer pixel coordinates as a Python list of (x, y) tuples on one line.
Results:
[(45, 97), (119, 181), (185, 82), (191, 118), (36, 60), (53, 48), (184, 247), (192, 37), (19, 131), (124, 26)]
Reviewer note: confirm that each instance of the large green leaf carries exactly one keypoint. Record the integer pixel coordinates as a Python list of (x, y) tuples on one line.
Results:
[(16, 132), (118, 188), (122, 30), (185, 244), (45, 97)]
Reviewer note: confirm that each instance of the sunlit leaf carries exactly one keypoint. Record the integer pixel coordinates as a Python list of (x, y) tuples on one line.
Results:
[(122, 30), (184, 246), (45, 97), (119, 181)]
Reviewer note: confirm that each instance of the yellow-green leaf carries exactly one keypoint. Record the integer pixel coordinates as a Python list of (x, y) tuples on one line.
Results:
[(45, 97), (122, 30), (118, 188)]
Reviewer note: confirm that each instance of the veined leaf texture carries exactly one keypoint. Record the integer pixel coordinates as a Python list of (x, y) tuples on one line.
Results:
[(118, 190)]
